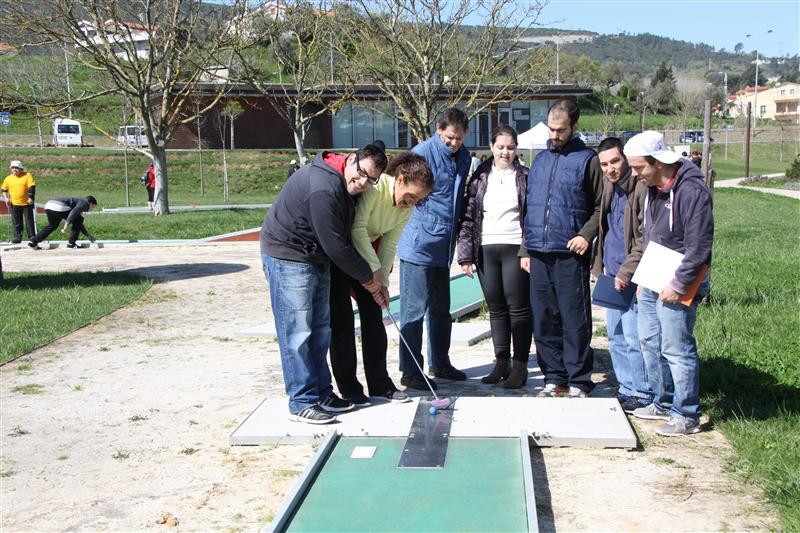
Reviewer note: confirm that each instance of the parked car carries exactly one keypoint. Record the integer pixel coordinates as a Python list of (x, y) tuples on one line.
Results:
[(132, 136), (693, 136), (626, 136), (67, 132)]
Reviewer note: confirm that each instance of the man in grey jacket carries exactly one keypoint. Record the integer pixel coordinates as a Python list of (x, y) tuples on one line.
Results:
[(678, 216)]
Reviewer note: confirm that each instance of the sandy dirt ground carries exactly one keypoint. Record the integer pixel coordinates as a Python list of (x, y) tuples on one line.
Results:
[(130, 430)]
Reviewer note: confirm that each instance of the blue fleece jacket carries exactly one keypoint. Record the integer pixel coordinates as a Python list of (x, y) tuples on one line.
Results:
[(429, 238)]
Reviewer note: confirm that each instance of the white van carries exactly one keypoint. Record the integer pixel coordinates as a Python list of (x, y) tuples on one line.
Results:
[(132, 136), (67, 132)]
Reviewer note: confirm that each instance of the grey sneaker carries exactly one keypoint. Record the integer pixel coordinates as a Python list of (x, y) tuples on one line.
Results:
[(312, 415), (651, 412), (397, 396), (334, 404), (677, 427)]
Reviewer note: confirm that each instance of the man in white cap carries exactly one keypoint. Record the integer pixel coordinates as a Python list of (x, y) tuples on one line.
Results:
[(678, 216), (18, 192)]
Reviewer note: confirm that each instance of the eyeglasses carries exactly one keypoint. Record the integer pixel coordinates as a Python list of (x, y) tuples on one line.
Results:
[(363, 173)]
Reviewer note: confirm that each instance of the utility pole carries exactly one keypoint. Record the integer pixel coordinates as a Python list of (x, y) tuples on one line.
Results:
[(747, 143), (707, 145), (69, 88), (641, 110)]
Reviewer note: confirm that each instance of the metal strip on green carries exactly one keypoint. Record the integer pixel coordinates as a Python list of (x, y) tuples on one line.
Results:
[(480, 489)]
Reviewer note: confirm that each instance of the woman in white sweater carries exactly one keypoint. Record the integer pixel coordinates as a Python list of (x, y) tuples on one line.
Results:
[(489, 241)]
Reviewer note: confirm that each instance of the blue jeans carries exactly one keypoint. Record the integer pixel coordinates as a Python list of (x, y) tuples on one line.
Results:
[(626, 355), (424, 294), (300, 294), (670, 354)]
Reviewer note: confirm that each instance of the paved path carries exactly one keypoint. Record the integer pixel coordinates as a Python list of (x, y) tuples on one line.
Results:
[(735, 183)]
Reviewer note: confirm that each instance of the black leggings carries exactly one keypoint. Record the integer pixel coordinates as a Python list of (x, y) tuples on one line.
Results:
[(506, 287)]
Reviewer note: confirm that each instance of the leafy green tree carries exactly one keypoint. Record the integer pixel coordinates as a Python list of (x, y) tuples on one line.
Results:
[(663, 74)]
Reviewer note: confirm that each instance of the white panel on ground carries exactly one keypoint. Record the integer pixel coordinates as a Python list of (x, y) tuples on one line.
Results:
[(585, 422)]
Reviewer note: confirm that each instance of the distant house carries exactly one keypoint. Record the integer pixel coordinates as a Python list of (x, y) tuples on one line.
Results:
[(776, 103), (8, 50), (120, 35), (356, 123)]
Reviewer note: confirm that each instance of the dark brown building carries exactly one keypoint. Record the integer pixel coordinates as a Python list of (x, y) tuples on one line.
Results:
[(355, 124)]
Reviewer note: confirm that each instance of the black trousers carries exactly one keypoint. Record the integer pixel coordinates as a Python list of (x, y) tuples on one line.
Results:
[(562, 318), (343, 338), (18, 213), (54, 219), (506, 288)]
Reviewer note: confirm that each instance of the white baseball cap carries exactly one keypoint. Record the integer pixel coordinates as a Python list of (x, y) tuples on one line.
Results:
[(17, 164), (650, 143)]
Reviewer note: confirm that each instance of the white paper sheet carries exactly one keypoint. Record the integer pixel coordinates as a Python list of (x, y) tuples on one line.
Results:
[(657, 267)]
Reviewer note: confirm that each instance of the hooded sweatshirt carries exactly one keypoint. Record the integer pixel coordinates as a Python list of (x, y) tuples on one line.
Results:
[(312, 219), (681, 219)]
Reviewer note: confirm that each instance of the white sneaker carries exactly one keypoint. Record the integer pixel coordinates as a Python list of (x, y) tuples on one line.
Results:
[(575, 392)]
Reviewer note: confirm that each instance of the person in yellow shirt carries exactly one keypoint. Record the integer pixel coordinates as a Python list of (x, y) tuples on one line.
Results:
[(18, 192), (381, 215)]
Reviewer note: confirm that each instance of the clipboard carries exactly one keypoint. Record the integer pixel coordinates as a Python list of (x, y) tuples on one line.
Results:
[(606, 295)]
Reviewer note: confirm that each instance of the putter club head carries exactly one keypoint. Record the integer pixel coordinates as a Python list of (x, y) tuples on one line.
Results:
[(443, 403)]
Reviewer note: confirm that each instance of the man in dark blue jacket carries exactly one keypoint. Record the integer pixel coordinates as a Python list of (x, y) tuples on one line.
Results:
[(677, 215), (565, 187), (426, 251), (307, 227)]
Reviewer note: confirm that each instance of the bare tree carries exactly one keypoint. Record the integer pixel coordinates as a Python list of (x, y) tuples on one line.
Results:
[(423, 56), (690, 104), (291, 47), (152, 53), (231, 112)]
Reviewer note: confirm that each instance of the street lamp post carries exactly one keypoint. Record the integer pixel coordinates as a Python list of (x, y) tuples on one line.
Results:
[(755, 97)]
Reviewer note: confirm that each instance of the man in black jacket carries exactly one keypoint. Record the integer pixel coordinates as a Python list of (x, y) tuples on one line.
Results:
[(70, 210), (678, 216), (307, 228)]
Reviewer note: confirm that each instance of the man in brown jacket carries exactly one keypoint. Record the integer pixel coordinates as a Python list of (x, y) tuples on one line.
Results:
[(617, 253)]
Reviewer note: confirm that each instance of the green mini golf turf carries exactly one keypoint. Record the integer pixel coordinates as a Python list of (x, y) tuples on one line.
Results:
[(480, 488)]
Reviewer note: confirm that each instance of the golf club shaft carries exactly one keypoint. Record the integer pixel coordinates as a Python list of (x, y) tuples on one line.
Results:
[(410, 351)]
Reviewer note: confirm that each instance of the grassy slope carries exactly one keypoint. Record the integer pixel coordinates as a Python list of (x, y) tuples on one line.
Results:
[(749, 341), (40, 307)]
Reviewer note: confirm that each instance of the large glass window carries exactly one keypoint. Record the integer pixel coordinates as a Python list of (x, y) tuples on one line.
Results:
[(384, 125), (362, 126), (343, 127)]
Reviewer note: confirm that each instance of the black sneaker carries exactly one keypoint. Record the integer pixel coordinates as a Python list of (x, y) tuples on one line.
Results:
[(334, 404), (416, 381), (632, 404), (312, 415), (359, 400), (34, 246), (72, 246), (447, 372)]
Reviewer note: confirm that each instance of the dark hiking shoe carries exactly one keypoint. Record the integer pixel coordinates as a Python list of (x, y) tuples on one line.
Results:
[(334, 404), (449, 372), (632, 404), (416, 381), (500, 371), (359, 400)]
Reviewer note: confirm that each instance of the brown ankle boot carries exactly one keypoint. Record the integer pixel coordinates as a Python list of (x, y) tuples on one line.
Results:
[(518, 375), (500, 371)]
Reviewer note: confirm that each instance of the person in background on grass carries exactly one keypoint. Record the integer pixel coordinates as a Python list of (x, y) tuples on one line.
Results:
[(677, 215), (307, 228), (426, 251), (293, 167), (489, 240), (19, 194), (149, 182), (565, 186), (381, 215), (617, 254), (71, 211)]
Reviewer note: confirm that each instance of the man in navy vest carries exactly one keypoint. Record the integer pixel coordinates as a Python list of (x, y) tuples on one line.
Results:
[(565, 187)]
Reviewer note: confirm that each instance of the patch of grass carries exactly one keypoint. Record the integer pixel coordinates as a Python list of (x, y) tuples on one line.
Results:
[(40, 307), (772, 183), (137, 418), (193, 422), (764, 159), (189, 451), (748, 342), (62, 457), (120, 455), (667, 461), (24, 367), (31, 388), (77, 388), (601, 331), (7, 473)]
